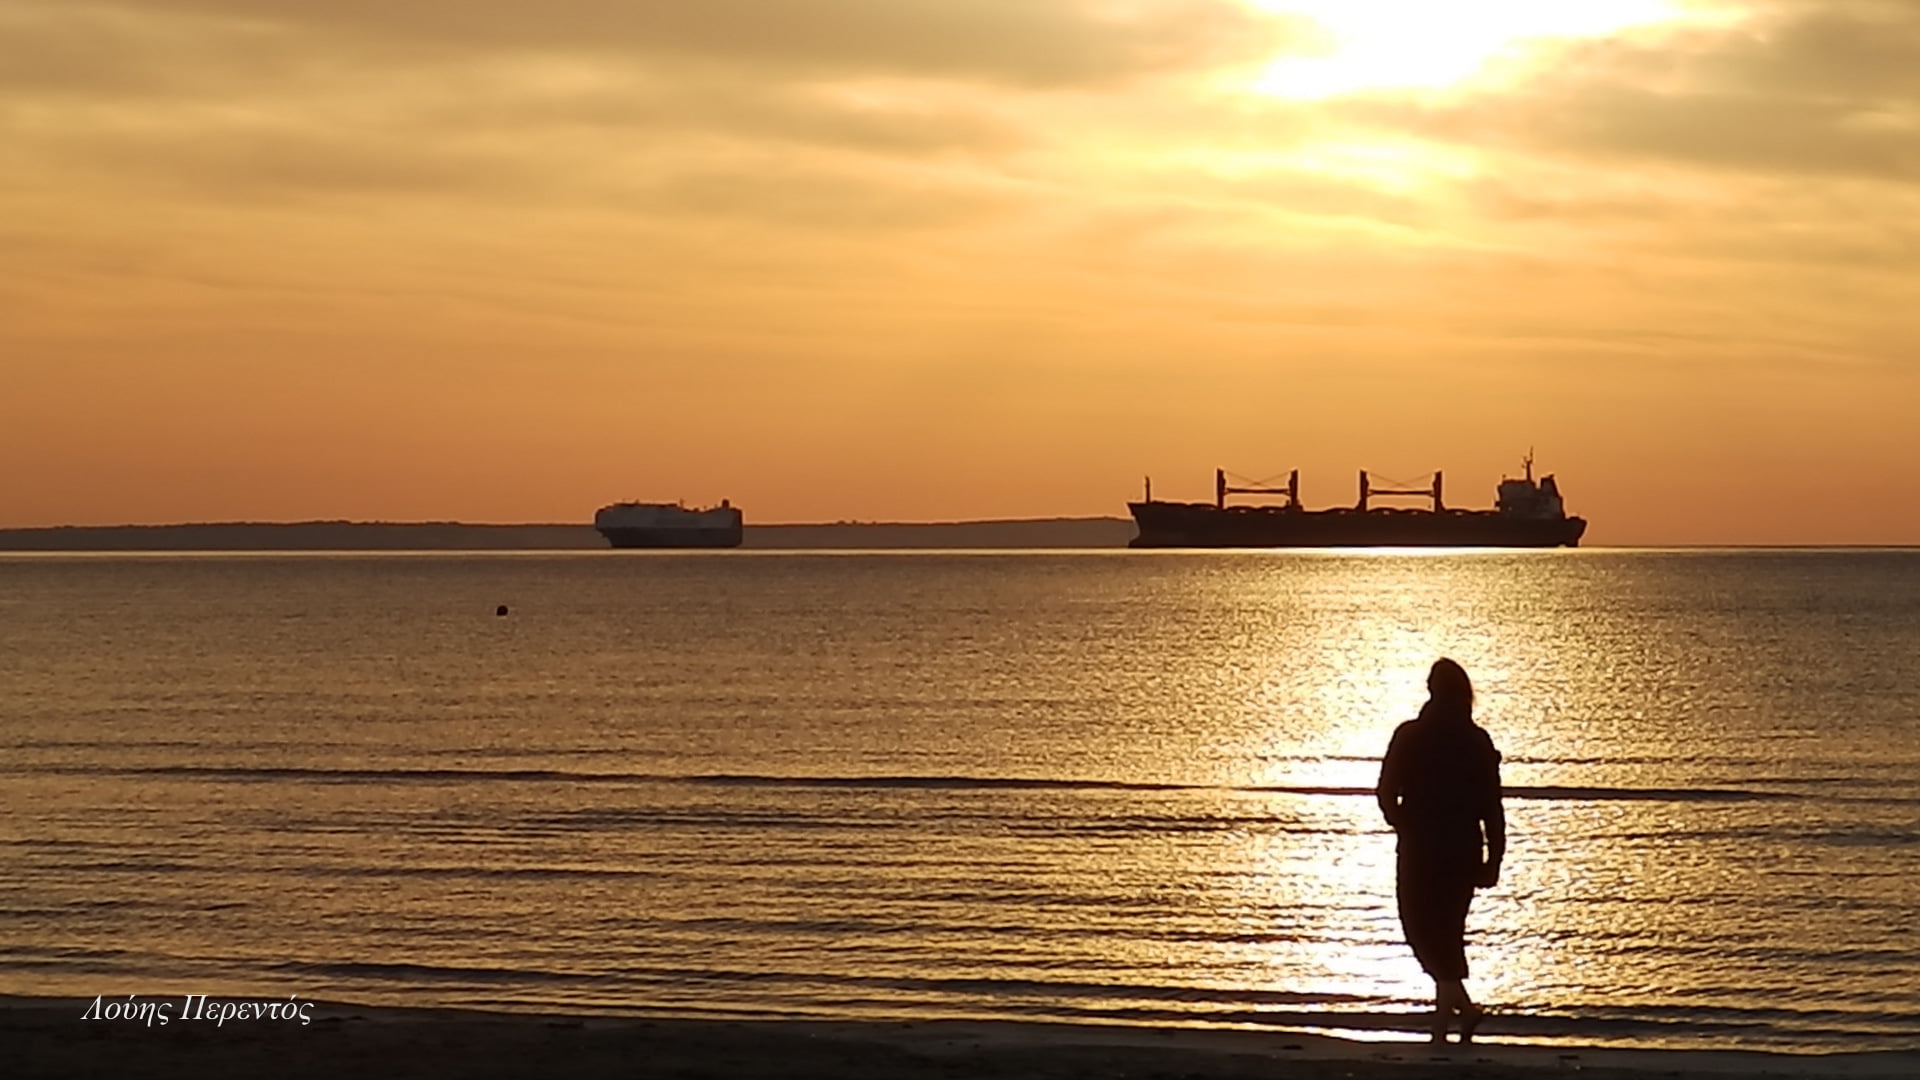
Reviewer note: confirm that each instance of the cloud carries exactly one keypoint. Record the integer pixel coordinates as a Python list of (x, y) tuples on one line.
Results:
[(815, 199), (222, 99), (1026, 42), (633, 105), (55, 53), (474, 138), (1795, 88)]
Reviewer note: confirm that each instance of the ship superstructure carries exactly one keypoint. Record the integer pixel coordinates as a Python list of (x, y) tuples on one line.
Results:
[(669, 525), (1527, 513)]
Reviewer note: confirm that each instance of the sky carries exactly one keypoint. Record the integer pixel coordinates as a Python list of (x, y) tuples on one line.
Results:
[(927, 260)]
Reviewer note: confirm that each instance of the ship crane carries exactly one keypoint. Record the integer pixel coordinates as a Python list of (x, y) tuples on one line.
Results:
[(1221, 490), (1367, 491)]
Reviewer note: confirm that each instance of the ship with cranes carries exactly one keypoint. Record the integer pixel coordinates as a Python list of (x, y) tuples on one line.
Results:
[(1526, 513)]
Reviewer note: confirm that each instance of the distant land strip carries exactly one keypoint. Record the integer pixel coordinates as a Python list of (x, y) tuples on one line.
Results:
[(456, 536)]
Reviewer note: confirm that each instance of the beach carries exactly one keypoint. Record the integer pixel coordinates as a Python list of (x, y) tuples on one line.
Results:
[(48, 1037)]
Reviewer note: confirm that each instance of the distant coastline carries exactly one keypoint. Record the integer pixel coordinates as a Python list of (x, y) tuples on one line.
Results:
[(458, 536)]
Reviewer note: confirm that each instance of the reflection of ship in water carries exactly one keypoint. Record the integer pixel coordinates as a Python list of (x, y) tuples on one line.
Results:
[(669, 525), (1529, 513)]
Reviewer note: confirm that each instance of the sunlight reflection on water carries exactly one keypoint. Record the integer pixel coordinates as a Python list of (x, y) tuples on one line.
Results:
[(966, 784)]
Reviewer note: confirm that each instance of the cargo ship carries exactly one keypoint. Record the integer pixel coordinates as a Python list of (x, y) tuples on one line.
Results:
[(669, 525), (1527, 513)]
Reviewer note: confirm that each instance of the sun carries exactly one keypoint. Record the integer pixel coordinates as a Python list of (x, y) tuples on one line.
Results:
[(1427, 44)]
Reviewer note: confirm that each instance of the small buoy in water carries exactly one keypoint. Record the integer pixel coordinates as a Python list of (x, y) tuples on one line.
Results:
[(501, 610)]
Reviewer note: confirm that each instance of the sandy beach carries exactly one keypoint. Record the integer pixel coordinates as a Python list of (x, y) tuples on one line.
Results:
[(49, 1037)]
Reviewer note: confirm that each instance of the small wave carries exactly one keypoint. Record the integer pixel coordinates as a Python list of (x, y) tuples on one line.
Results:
[(969, 988), (413, 974), (1552, 793)]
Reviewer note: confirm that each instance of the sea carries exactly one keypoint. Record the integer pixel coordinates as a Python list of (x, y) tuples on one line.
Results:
[(1086, 786)]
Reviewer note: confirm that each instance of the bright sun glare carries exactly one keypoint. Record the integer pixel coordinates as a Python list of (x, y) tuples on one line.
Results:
[(1378, 44)]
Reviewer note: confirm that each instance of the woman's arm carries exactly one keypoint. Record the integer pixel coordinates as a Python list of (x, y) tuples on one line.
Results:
[(1387, 791), (1495, 823), (1493, 819)]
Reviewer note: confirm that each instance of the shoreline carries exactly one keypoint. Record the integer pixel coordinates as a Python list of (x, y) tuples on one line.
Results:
[(48, 1037), (1038, 533)]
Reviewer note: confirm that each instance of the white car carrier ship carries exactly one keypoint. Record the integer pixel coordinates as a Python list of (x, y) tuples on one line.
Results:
[(669, 525)]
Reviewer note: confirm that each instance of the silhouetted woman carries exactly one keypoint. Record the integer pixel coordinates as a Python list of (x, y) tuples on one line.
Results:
[(1440, 790)]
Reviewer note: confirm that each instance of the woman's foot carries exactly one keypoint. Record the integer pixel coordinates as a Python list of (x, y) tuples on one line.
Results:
[(1470, 1017)]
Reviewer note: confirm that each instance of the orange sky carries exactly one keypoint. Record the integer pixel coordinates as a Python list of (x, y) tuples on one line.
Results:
[(943, 259)]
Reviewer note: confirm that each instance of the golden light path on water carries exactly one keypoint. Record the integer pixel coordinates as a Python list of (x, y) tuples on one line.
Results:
[(1299, 889)]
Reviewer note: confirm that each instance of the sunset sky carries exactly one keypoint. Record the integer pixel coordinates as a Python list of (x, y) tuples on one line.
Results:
[(492, 260)]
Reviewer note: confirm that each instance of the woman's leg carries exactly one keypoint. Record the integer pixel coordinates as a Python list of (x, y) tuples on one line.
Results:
[(1470, 1014), (1447, 996), (1450, 999), (1433, 912)]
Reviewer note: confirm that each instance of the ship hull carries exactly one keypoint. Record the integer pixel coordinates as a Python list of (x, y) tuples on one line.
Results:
[(1203, 525), (673, 538)]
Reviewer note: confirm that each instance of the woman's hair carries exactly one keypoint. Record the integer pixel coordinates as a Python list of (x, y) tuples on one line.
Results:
[(1448, 684)]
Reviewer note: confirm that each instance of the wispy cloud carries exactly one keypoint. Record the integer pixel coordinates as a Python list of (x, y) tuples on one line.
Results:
[(1793, 88)]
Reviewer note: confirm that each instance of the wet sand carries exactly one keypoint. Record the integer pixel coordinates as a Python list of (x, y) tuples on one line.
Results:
[(47, 1037)]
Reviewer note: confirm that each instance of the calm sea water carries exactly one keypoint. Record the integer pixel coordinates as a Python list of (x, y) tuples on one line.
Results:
[(1123, 786)]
